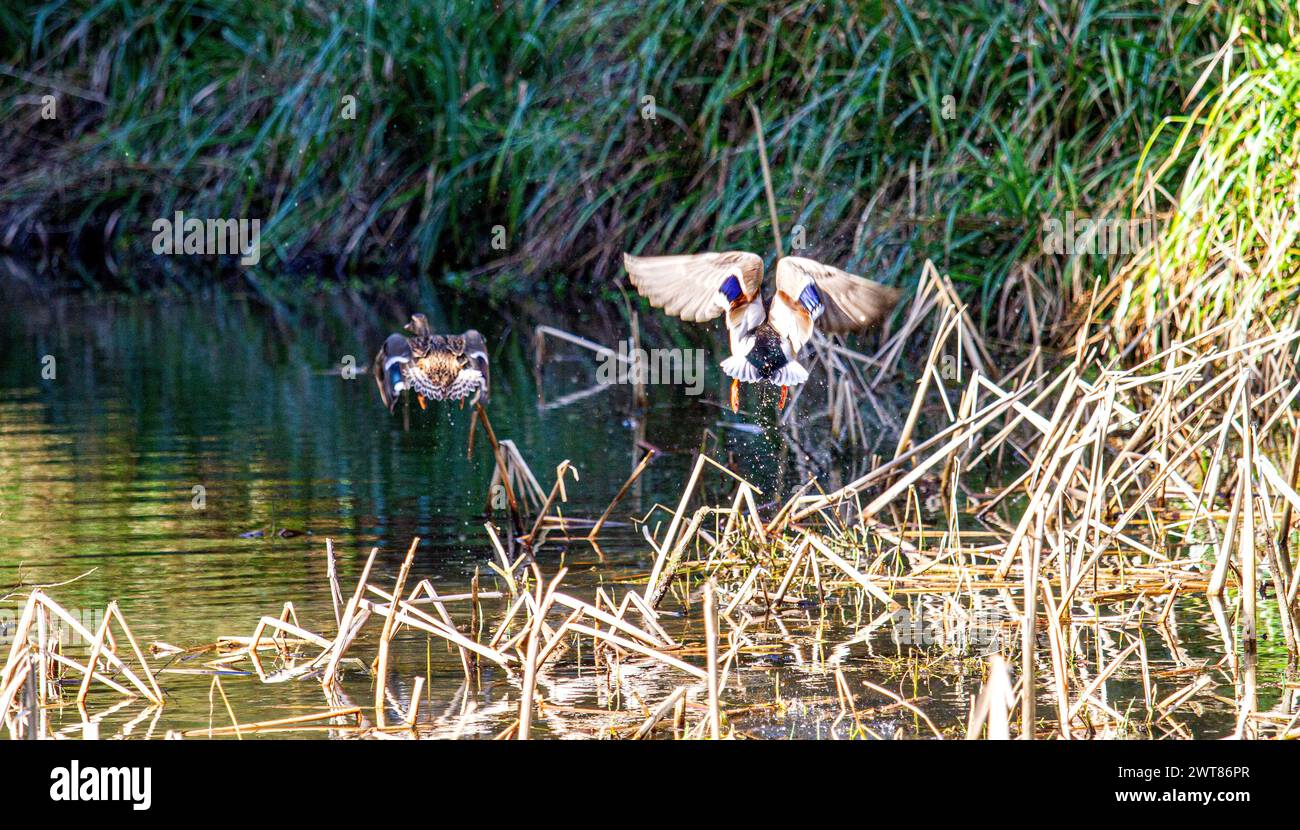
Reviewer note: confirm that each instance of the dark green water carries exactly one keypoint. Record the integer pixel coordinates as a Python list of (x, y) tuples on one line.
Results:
[(113, 412)]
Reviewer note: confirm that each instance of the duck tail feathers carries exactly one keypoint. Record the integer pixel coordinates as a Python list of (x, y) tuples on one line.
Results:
[(741, 369), (791, 374)]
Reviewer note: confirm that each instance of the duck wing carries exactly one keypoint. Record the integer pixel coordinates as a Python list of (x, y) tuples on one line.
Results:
[(809, 293), (697, 287), (387, 369), (475, 350)]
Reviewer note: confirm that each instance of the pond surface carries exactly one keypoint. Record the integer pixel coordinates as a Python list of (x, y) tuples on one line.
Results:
[(189, 458)]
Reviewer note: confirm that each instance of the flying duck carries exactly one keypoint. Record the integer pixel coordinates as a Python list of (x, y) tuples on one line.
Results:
[(765, 337), (438, 366)]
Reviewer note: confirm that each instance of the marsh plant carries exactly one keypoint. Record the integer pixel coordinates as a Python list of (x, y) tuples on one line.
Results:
[(57, 629)]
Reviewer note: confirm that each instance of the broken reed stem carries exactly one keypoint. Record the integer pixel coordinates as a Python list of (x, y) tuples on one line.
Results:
[(516, 519), (670, 536), (906, 704), (544, 597), (18, 668), (711, 645), (1284, 525), (556, 491), (1246, 549), (332, 574), (923, 382), (343, 638), (240, 729), (153, 693), (385, 639), (1059, 660), (989, 709), (413, 712), (1028, 637), (541, 332), (667, 705), (622, 491), (234, 727)]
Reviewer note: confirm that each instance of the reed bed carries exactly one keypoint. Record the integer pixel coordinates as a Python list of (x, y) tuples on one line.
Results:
[(1128, 490)]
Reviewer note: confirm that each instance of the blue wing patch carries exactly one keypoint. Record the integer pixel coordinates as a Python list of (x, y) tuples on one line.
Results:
[(730, 289), (811, 299), (395, 377)]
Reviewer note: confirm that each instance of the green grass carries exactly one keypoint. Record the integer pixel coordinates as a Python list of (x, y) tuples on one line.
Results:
[(1231, 237), (528, 115)]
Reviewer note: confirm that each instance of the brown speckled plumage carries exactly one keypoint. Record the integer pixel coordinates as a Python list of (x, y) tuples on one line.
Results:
[(441, 369), (435, 366)]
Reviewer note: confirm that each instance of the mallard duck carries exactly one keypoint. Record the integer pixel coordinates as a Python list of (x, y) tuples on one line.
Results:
[(438, 366), (765, 337)]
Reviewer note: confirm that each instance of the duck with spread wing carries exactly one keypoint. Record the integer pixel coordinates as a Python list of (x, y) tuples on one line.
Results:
[(438, 366), (765, 337)]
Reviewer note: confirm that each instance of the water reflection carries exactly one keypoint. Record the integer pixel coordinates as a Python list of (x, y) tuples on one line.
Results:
[(188, 458)]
